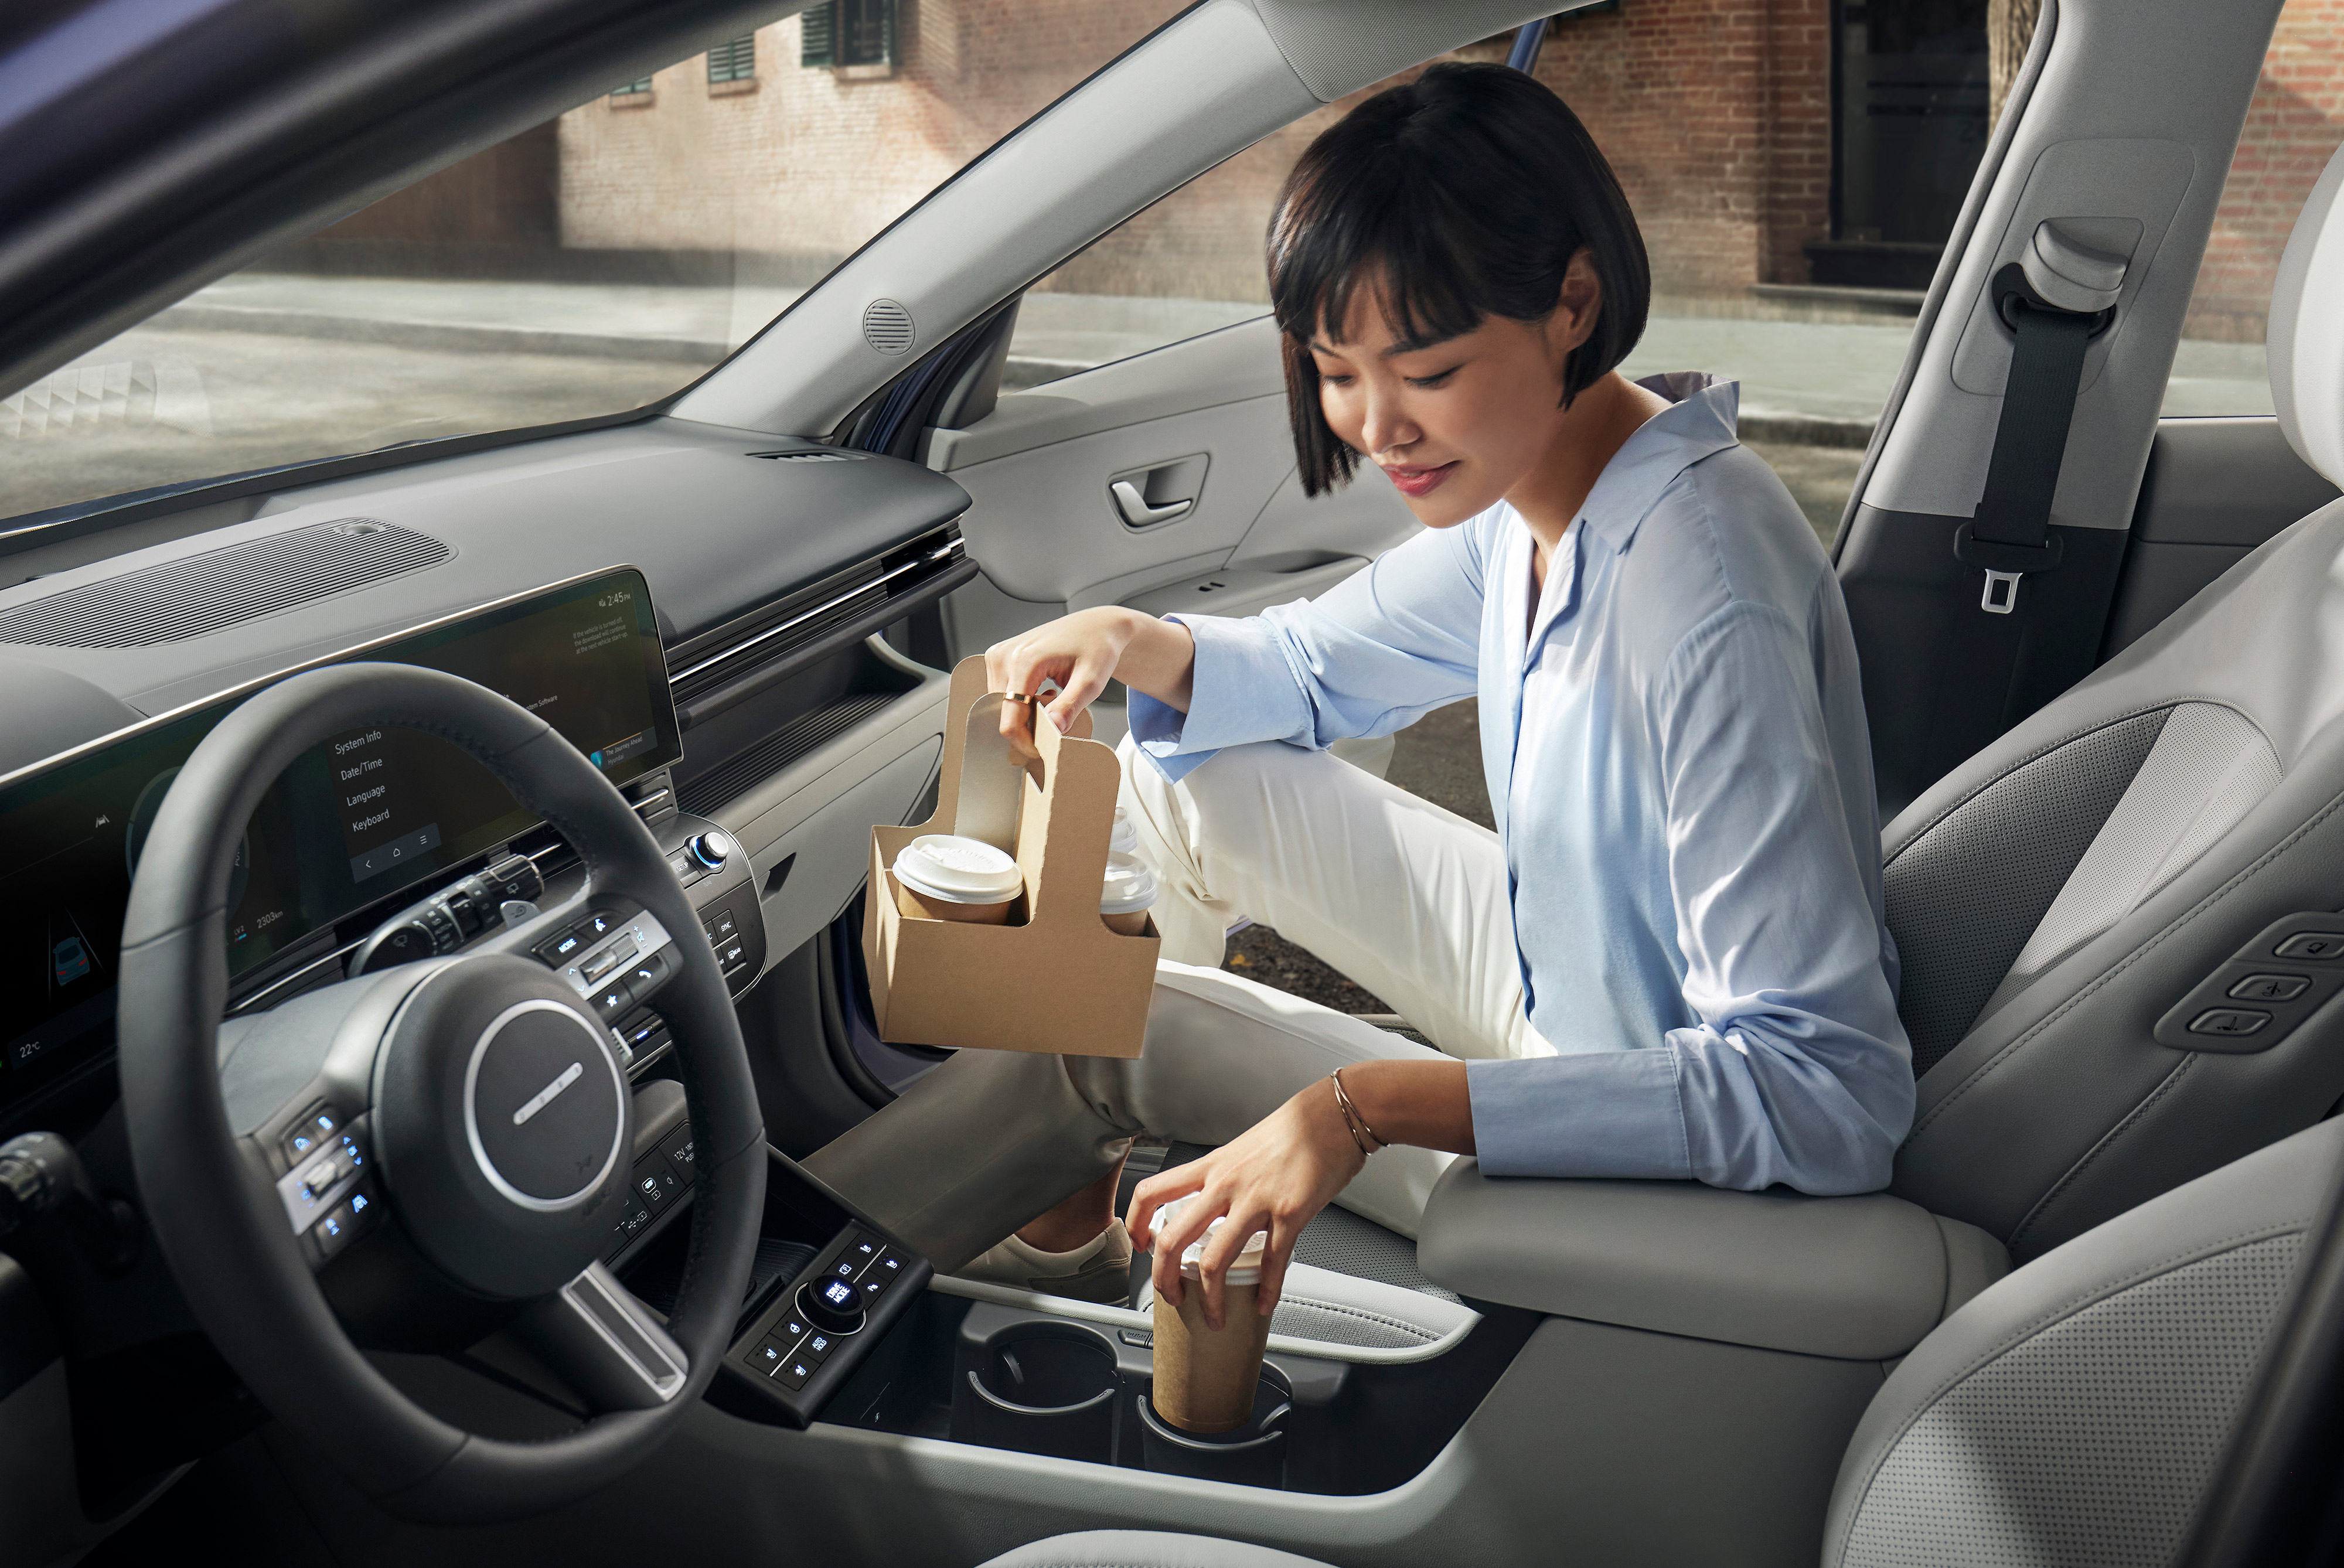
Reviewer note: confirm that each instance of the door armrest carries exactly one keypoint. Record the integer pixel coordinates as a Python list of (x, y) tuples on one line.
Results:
[(1860, 1279)]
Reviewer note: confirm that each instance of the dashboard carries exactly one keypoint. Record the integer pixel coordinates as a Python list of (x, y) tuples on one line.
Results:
[(700, 679), (365, 816)]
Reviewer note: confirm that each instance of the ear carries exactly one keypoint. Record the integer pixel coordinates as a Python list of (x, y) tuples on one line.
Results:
[(1578, 306)]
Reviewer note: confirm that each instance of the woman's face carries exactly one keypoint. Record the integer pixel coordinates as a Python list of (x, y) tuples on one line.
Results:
[(1457, 424)]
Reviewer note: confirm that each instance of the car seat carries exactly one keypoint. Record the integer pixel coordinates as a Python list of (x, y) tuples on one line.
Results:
[(2082, 907)]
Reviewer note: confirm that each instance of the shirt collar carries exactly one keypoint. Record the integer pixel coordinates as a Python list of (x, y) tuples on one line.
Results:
[(1700, 422)]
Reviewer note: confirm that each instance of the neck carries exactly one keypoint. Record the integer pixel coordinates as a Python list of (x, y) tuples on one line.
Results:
[(1587, 436)]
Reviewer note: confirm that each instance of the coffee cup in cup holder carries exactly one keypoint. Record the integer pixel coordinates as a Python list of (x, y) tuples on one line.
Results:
[(1045, 1392), (1251, 1454)]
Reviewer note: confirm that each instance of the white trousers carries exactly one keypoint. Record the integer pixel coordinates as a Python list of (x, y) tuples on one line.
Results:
[(1406, 898)]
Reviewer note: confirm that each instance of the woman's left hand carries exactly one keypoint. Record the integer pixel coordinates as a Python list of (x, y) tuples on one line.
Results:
[(1275, 1177)]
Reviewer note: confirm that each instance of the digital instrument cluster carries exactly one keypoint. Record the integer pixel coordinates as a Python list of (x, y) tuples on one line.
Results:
[(348, 824)]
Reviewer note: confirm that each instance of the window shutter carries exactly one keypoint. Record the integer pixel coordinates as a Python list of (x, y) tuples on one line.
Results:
[(734, 60), (818, 34), (866, 32)]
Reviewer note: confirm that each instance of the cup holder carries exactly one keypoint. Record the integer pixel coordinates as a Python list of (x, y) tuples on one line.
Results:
[(1252, 1455), (1050, 1394)]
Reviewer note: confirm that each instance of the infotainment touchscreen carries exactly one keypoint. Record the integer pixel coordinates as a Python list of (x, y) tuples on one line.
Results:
[(355, 820)]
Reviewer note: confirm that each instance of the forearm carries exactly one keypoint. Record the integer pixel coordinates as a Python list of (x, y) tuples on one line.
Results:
[(1425, 1104), (1159, 658)]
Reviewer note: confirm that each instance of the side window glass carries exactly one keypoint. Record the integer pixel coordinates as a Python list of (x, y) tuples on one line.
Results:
[(1794, 187), (2293, 127)]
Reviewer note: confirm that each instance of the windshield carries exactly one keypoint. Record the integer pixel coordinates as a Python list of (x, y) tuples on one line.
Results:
[(586, 267)]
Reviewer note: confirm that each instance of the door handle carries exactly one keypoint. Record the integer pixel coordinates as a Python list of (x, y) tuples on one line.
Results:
[(1135, 511)]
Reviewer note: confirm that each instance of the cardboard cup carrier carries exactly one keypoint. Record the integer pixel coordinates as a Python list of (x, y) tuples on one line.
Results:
[(1051, 976), (1205, 1382)]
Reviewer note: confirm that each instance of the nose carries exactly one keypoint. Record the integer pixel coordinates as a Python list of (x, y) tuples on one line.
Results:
[(1387, 427)]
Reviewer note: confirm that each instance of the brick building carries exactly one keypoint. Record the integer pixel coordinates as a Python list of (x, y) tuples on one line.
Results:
[(1762, 143)]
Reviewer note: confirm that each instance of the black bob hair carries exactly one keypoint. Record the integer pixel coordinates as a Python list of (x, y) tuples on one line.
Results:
[(1463, 195)]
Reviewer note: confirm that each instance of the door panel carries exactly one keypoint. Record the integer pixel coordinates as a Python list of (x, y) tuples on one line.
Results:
[(1201, 421)]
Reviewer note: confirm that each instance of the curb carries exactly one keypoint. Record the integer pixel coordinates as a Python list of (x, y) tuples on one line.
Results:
[(404, 334)]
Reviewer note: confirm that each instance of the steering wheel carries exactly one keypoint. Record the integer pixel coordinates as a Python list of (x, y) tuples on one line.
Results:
[(437, 1063)]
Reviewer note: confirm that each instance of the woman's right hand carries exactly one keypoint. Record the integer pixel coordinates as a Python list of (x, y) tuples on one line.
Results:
[(1081, 653)]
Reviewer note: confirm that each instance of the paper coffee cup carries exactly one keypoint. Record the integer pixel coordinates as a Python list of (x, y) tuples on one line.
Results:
[(942, 876), (1127, 894), (1206, 1381)]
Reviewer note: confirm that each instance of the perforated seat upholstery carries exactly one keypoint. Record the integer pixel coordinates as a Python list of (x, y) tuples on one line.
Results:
[(2076, 1411), (2056, 895)]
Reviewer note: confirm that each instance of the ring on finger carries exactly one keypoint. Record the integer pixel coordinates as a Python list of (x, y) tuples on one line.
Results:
[(1028, 698)]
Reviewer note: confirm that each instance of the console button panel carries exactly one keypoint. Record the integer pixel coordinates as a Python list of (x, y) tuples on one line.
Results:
[(798, 1351)]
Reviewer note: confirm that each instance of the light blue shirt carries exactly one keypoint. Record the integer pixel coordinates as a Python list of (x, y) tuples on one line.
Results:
[(1681, 775)]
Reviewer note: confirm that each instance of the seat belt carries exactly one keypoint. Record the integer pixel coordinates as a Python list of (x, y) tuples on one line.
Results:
[(2010, 535), (2057, 299)]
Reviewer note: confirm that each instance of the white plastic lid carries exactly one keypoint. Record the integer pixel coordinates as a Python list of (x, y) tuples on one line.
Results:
[(1244, 1269), (1129, 888), (957, 870), (1124, 838)]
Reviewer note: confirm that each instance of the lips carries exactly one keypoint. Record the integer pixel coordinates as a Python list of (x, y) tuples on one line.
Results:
[(1410, 480)]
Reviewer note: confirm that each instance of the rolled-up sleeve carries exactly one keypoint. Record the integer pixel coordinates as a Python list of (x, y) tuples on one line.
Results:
[(1793, 1066), (1370, 656)]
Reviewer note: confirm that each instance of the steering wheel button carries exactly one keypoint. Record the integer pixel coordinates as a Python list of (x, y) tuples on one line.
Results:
[(610, 1001), (558, 950), (608, 959), (650, 974), (601, 923)]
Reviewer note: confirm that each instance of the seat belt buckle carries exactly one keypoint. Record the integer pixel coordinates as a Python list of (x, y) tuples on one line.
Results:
[(2004, 565)]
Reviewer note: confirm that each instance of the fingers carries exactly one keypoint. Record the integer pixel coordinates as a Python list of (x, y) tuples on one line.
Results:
[(1080, 687), (1151, 1195), (1222, 1250), (1189, 1223), (1283, 1235)]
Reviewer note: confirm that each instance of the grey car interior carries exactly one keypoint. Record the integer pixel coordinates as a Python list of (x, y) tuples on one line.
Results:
[(2112, 852)]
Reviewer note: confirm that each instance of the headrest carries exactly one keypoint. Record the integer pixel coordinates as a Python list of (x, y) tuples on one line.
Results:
[(2304, 339)]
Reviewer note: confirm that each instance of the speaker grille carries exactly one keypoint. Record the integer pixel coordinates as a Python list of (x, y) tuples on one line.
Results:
[(886, 325), (205, 593)]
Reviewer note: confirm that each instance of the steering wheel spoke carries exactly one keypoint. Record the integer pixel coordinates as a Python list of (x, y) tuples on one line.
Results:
[(605, 1342)]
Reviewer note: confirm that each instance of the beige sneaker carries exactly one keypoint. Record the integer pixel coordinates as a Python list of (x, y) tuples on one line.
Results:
[(1098, 1270)]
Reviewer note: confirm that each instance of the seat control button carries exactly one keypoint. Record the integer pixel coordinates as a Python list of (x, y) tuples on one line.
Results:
[(2310, 945), (2270, 987), (2231, 1022)]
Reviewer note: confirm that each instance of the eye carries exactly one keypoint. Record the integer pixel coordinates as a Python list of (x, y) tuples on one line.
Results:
[(1335, 378), (1436, 379)]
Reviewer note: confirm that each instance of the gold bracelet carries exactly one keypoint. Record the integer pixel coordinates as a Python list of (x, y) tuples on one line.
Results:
[(1361, 1133)]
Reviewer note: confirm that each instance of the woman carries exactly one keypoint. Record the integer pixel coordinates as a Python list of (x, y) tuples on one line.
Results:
[(1672, 960)]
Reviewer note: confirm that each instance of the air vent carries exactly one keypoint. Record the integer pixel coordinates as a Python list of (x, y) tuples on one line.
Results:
[(205, 593), (814, 457), (886, 325)]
